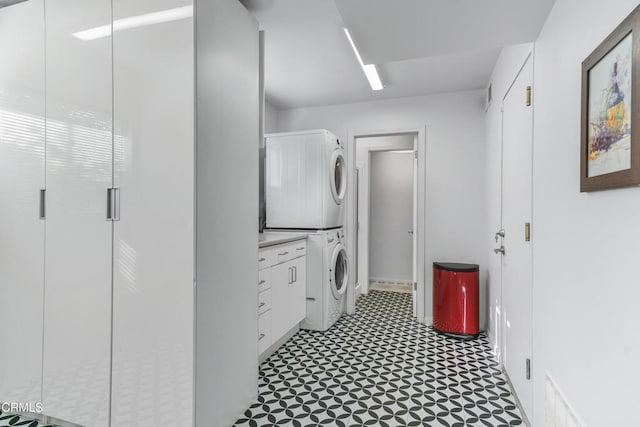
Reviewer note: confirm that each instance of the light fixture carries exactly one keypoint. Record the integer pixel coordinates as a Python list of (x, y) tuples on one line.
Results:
[(400, 151), (136, 22), (369, 69)]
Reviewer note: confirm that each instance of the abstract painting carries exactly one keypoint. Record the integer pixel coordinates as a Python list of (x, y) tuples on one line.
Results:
[(610, 126), (610, 111)]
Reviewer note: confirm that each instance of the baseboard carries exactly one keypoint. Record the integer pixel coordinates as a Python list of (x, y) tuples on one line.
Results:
[(387, 281), (428, 320)]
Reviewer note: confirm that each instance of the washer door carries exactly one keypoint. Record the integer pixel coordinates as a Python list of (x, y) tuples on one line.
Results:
[(338, 176), (338, 272)]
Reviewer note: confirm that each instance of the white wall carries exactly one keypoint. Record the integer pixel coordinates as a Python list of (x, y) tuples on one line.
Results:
[(586, 247), (507, 67), (391, 216), (455, 169), (270, 118), (586, 319)]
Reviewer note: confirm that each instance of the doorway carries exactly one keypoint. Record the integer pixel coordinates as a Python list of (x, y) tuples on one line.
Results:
[(515, 234), (388, 217), (391, 220)]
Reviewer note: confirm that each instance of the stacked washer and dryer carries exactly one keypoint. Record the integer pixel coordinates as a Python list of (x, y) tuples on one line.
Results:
[(305, 188)]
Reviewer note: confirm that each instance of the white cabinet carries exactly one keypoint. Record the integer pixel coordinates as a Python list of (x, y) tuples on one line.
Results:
[(122, 311), (283, 282), (22, 135), (79, 170)]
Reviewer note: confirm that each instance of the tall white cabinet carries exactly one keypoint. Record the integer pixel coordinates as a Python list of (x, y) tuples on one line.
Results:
[(22, 143), (140, 272)]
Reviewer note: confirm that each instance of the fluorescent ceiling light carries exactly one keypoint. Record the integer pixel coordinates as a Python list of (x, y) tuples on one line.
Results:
[(401, 151), (369, 69), (136, 21)]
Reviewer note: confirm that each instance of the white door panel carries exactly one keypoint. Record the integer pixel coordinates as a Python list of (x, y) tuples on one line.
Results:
[(22, 176), (516, 211), (153, 241), (77, 310)]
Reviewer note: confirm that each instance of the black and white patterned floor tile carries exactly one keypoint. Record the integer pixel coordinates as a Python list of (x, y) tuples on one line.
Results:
[(382, 368), (10, 420)]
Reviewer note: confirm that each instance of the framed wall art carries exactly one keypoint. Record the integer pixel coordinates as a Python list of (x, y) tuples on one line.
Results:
[(610, 134)]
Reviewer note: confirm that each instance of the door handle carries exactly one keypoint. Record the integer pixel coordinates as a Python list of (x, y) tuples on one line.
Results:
[(499, 250), (499, 234)]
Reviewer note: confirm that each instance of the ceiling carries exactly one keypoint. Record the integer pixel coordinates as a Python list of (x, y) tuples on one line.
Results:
[(419, 46)]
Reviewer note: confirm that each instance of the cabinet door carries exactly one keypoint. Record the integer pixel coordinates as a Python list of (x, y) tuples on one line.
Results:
[(281, 276), (21, 178), (77, 309), (153, 295), (298, 291)]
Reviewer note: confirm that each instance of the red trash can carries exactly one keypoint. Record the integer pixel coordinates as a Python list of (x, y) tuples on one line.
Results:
[(456, 302)]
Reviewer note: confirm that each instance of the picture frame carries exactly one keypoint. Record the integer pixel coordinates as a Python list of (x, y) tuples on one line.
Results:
[(610, 110)]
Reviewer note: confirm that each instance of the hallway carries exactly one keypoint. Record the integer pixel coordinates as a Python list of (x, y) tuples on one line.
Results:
[(382, 368)]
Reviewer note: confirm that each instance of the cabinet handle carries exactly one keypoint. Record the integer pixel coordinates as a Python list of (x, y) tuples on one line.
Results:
[(295, 274), (261, 259), (300, 249), (290, 275), (283, 253), (43, 202), (261, 336), (261, 304), (262, 282), (113, 204)]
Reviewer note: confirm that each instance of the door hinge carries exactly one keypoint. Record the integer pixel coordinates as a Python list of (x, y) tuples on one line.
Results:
[(528, 96), (415, 154), (415, 286), (42, 212), (528, 369), (527, 231)]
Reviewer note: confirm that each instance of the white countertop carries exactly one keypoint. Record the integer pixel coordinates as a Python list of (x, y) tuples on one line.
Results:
[(270, 238)]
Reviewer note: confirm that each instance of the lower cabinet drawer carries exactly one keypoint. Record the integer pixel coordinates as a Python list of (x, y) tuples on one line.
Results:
[(264, 279), (264, 331), (266, 258), (264, 301)]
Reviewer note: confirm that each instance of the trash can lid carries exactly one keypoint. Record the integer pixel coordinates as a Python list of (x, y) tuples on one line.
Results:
[(456, 266)]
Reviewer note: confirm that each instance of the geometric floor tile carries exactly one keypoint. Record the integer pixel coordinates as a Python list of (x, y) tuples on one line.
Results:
[(380, 367)]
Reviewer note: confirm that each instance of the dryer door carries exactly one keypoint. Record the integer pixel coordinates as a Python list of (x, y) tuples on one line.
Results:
[(338, 176), (338, 273)]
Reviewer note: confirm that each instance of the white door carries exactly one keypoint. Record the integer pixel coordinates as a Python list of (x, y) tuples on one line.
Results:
[(415, 231), (22, 177), (77, 306), (517, 126), (153, 75)]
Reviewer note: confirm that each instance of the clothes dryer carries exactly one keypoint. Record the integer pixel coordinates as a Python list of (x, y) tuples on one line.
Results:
[(305, 182)]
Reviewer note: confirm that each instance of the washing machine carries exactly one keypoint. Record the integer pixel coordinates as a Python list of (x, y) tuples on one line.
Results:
[(327, 275), (305, 180)]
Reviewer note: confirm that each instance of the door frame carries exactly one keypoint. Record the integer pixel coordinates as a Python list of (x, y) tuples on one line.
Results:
[(352, 221), (502, 336)]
